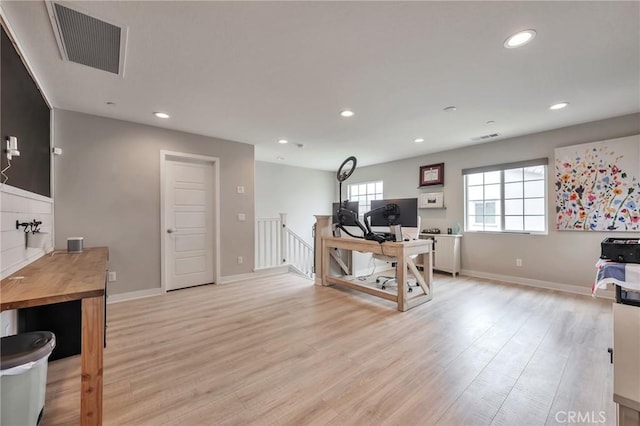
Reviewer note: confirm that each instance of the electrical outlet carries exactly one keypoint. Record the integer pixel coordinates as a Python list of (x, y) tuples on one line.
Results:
[(240, 260), (242, 217), (112, 276), (519, 263)]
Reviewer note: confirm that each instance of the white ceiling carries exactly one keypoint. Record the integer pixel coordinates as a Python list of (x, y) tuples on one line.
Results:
[(255, 72)]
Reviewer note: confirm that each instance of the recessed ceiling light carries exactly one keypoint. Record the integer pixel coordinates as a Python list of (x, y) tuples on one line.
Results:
[(161, 114), (280, 158), (346, 113), (559, 105), (450, 108), (419, 140), (283, 141), (491, 122), (519, 39)]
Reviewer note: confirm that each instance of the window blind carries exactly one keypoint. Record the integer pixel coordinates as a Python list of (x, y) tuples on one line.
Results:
[(506, 166)]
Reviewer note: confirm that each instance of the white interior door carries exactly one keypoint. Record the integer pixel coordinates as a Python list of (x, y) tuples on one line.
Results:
[(188, 213)]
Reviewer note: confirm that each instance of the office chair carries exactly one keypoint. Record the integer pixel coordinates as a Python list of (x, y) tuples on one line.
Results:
[(390, 280)]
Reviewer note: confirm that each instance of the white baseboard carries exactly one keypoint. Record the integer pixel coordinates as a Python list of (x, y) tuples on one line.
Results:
[(586, 291), (263, 272), (122, 297), (277, 270)]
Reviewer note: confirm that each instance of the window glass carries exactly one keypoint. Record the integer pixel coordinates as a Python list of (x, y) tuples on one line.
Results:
[(491, 177), (492, 192), (478, 208), (364, 193), (534, 188), (513, 223), (513, 207), (475, 179), (534, 173), (474, 223), (492, 223), (475, 193), (521, 192), (534, 223), (513, 190), (513, 175), (534, 206)]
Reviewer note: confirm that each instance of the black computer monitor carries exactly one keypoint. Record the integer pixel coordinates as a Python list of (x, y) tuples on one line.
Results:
[(346, 219), (406, 214)]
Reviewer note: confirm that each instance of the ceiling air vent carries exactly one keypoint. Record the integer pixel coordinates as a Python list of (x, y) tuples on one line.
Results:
[(87, 40), (485, 137)]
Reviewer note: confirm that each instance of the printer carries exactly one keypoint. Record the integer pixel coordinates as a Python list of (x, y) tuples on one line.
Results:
[(623, 250)]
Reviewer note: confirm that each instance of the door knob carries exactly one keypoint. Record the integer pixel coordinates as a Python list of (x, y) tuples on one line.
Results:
[(170, 231)]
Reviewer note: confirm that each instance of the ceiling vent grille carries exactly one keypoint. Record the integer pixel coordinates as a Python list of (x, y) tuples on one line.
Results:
[(485, 137), (86, 40)]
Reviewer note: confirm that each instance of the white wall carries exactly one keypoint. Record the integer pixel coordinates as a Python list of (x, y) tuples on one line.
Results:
[(17, 204), (107, 189), (301, 193), (564, 258)]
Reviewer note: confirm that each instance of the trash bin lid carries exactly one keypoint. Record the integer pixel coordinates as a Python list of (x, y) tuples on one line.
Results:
[(25, 347)]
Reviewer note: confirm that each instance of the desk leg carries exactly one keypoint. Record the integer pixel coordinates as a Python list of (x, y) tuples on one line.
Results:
[(325, 263), (92, 352), (401, 272), (427, 271)]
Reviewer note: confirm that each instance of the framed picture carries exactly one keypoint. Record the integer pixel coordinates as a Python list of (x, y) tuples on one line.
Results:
[(432, 200), (432, 175)]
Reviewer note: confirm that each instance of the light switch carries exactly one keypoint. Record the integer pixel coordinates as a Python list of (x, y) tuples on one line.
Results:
[(240, 190), (242, 217)]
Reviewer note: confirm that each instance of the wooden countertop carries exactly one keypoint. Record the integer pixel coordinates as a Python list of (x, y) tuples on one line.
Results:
[(58, 278)]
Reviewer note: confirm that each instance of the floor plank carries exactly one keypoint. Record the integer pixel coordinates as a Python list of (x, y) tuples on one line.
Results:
[(278, 350)]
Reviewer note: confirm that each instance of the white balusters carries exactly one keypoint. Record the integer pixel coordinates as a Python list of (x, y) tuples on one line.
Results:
[(277, 245)]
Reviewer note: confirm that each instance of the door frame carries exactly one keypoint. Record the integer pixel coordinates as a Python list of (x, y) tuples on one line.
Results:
[(186, 157)]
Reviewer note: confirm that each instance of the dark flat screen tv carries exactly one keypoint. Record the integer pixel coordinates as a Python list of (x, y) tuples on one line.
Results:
[(345, 219), (405, 214)]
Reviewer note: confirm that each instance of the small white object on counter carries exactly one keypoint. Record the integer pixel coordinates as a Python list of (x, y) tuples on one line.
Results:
[(74, 244)]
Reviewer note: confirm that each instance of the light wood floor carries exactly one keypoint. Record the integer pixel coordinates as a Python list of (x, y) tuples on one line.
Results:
[(279, 350)]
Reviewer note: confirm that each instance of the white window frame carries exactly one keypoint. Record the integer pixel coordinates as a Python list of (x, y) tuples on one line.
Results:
[(469, 227), (365, 206)]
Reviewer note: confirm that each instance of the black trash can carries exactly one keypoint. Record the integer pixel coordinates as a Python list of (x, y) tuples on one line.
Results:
[(23, 377)]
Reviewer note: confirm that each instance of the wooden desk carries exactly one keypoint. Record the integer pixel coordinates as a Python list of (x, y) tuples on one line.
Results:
[(402, 251), (60, 278)]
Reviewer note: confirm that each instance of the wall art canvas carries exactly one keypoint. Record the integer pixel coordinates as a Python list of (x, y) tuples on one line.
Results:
[(598, 186)]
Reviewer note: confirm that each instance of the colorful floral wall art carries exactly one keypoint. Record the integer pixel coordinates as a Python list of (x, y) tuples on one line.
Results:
[(598, 186)]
